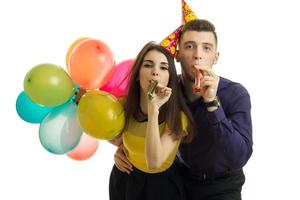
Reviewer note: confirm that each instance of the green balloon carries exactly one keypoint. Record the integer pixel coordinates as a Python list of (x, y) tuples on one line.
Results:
[(48, 85)]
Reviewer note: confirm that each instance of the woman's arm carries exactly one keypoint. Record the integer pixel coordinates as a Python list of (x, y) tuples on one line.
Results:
[(158, 148)]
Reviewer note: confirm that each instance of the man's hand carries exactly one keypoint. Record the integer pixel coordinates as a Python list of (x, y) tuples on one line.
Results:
[(121, 161), (209, 83)]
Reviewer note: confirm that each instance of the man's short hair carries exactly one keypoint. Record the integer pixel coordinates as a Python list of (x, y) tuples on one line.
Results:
[(198, 25)]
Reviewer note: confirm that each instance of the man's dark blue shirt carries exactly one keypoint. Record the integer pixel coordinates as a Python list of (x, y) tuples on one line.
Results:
[(223, 140)]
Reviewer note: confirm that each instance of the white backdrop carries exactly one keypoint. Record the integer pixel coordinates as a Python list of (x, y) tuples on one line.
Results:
[(258, 43)]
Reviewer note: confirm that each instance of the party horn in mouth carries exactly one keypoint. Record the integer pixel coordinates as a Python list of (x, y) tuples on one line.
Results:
[(197, 86), (152, 87)]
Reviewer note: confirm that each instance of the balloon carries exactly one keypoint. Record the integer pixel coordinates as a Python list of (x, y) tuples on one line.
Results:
[(85, 149), (71, 48), (118, 83), (100, 115), (76, 90), (48, 85), (60, 130), (91, 64), (29, 111), (122, 100)]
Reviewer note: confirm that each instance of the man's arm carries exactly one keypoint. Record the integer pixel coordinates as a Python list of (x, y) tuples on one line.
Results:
[(233, 131), (121, 161), (117, 141)]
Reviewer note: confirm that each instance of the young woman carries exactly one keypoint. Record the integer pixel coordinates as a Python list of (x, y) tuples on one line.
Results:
[(153, 131)]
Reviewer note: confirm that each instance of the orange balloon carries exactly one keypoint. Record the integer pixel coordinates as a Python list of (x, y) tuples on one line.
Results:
[(85, 149), (71, 48), (91, 64)]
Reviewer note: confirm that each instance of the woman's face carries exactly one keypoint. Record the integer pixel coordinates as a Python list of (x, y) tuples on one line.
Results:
[(155, 66)]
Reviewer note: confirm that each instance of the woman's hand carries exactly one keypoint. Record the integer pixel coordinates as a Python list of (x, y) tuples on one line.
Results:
[(161, 96)]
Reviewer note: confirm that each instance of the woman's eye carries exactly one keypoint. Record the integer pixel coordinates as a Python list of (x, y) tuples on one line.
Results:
[(147, 65), (164, 68)]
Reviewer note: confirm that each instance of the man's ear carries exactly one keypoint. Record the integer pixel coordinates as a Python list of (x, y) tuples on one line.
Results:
[(216, 57)]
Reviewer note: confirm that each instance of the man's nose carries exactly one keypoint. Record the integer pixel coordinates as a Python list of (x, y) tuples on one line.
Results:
[(198, 54)]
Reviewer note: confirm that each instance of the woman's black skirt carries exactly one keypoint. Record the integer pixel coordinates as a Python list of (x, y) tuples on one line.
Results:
[(139, 185)]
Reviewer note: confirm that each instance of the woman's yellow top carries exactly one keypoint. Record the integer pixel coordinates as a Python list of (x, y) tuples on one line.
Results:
[(134, 141)]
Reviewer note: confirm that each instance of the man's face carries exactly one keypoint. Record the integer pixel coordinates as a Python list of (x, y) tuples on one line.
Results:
[(196, 48)]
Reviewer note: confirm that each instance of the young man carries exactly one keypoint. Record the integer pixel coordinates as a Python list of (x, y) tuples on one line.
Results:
[(211, 164)]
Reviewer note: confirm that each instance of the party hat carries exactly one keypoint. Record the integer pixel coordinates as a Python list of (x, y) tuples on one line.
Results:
[(187, 14), (170, 42)]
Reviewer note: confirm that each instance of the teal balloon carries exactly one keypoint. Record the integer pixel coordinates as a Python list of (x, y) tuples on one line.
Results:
[(76, 89), (60, 131), (30, 111)]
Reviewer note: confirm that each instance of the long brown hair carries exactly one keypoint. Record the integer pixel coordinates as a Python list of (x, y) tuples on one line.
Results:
[(170, 112)]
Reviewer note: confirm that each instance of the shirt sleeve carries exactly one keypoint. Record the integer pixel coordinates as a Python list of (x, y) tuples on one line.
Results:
[(233, 131)]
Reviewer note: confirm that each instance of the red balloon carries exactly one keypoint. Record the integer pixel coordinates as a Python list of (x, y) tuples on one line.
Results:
[(91, 64), (85, 149)]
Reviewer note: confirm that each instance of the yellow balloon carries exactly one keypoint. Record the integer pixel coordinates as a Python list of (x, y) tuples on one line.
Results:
[(71, 48), (101, 115), (48, 85)]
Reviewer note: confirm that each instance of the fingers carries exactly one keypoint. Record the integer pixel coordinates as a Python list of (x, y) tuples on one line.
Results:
[(121, 156), (122, 167), (162, 95), (204, 76), (206, 70), (166, 90), (125, 151), (207, 81), (163, 91), (121, 161), (160, 89)]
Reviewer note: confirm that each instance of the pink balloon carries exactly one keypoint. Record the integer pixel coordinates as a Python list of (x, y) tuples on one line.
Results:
[(118, 83), (85, 149)]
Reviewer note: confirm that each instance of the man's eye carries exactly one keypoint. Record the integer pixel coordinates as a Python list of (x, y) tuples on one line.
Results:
[(207, 48), (189, 46)]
